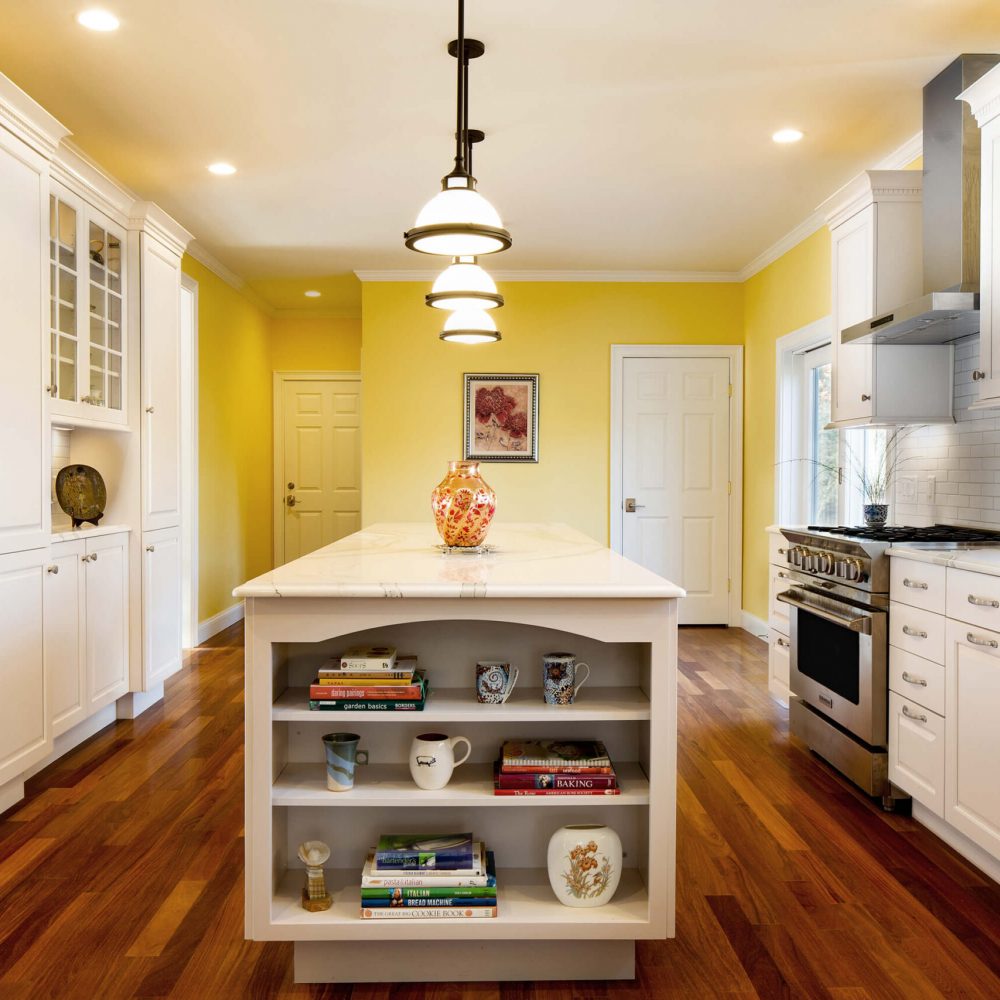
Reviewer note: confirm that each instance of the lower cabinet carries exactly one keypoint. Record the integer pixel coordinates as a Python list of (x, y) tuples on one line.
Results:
[(25, 729), (916, 751), (778, 663), (161, 604), (972, 791)]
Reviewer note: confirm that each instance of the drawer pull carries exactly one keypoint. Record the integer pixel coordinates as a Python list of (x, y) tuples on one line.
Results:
[(782, 574), (910, 679), (992, 643), (781, 552), (983, 602), (914, 584), (914, 632), (914, 715), (783, 642)]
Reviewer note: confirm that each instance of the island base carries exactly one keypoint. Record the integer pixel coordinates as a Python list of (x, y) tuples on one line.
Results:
[(461, 961)]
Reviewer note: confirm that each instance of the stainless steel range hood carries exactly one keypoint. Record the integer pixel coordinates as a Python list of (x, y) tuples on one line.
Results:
[(949, 308)]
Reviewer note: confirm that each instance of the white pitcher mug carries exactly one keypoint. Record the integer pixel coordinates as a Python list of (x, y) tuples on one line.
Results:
[(432, 759)]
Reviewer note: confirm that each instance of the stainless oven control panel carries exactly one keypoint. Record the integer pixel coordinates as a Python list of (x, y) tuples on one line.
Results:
[(823, 562)]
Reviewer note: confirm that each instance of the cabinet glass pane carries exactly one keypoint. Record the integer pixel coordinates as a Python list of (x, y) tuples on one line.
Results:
[(115, 338), (64, 268), (67, 321), (97, 301), (96, 331), (114, 392), (67, 287)]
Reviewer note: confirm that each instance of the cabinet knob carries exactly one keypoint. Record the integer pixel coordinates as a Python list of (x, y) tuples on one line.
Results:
[(865, 397), (149, 409), (51, 390), (150, 548), (92, 557), (978, 376), (52, 569)]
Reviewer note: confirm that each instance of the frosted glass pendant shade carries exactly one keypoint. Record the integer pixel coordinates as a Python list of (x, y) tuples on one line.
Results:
[(470, 326), (464, 285), (458, 222)]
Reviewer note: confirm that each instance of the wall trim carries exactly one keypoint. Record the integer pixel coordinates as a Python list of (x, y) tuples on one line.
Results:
[(735, 355), (197, 251), (215, 624), (639, 277), (957, 840), (757, 627), (28, 120), (330, 312)]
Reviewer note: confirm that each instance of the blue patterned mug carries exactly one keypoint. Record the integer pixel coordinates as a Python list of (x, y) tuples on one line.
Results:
[(342, 754), (559, 678), (495, 679)]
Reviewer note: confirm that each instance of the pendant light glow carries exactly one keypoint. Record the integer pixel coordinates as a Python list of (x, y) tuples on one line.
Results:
[(470, 326), (464, 285)]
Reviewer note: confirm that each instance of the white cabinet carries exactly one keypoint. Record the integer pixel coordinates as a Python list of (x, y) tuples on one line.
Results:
[(161, 395), (779, 649), (88, 376), (161, 604), (779, 664), (917, 751), (65, 634), (972, 791), (107, 619), (25, 730), (875, 233), (24, 430)]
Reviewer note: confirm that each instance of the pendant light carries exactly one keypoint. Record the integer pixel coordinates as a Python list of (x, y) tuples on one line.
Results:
[(464, 285), (459, 221), (470, 326)]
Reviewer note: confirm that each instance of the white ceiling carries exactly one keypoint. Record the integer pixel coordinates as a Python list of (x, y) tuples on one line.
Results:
[(621, 135)]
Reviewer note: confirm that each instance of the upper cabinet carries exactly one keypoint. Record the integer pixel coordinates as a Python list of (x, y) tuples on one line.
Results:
[(875, 233), (87, 289)]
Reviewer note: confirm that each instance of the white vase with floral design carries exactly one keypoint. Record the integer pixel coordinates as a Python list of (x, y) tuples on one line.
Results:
[(585, 864)]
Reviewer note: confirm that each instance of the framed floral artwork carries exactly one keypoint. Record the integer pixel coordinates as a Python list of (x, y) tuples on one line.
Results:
[(501, 418)]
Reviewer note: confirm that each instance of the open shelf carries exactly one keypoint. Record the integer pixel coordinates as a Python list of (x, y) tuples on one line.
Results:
[(460, 704), (526, 907), (471, 785)]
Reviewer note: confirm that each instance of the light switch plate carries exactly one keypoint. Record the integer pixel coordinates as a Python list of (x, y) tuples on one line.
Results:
[(907, 488), (927, 489)]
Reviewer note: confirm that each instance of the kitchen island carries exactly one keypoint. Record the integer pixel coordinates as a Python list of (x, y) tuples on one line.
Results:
[(541, 588)]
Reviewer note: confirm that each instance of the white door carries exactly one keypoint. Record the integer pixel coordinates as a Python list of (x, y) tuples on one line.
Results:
[(675, 467), (161, 604), (319, 491), (65, 639), (106, 562)]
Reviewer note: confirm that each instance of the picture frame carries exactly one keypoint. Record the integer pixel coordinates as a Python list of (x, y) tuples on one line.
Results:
[(501, 417)]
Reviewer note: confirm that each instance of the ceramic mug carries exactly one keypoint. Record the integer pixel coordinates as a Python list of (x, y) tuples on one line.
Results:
[(432, 759), (342, 754), (559, 678), (495, 679)]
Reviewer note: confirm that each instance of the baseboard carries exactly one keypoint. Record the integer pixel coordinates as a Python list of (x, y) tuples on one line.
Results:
[(215, 624), (133, 704), (754, 625), (72, 738), (958, 841)]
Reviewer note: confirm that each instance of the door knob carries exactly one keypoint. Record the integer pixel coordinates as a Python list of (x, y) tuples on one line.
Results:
[(631, 506), (291, 501), (291, 486)]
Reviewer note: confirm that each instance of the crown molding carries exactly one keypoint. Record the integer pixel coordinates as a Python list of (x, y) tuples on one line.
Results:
[(148, 217), (78, 172), (983, 97), (330, 312), (198, 252), (28, 120), (648, 277), (872, 186)]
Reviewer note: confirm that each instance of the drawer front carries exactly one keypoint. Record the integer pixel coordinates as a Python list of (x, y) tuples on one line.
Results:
[(777, 546), (974, 598), (777, 616), (916, 752), (918, 584), (917, 679), (916, 631), (778, 663)]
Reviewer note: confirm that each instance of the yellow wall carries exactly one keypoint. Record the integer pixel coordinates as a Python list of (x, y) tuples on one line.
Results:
[(785, 296), (307, 344), (234, 440), (412, 405)]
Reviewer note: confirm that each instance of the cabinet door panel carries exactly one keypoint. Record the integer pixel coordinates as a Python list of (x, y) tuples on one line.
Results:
[(107, 619), (25, 732), (989, 263), (973, 736), (161, 604), (24, 432), (161, 371), (916, 751), (778, 665), (65, 635)]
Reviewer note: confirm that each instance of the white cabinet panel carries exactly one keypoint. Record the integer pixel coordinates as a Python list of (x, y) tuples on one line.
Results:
[(917, 751), (917, 584), (107, 605), (973, 735), (989, 263), (919, 632), (974, 598), (917, 679), (161, 367), (161, 604), (777, 549), (778, 665), (25, 731), (777, 613), (24, 432), (65, 635)]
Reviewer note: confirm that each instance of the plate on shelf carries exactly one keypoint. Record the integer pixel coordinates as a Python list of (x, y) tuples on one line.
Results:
[(81, 493)]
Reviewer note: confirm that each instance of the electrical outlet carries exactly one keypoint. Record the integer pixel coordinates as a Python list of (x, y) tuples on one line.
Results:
[(927, 489), (907, 488)]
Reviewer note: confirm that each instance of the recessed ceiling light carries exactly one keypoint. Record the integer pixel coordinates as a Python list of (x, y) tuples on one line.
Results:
[(312, 294), (786, 135), (221, 169), (98, 20)]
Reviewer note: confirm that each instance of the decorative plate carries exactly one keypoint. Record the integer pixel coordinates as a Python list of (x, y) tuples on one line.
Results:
[(81, 493)]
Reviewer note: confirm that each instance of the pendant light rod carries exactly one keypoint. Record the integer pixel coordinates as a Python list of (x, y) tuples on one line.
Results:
[(462, 102)]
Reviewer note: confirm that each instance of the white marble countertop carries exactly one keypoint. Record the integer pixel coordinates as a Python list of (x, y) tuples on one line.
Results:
[(402, 560), (68, 534), (985, 560)]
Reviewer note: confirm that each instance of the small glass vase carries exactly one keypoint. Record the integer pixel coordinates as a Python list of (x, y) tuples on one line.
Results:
[(876, 514), (463, 506)]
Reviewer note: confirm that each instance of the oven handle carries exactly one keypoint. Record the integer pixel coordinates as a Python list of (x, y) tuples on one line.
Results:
[(861, 624)]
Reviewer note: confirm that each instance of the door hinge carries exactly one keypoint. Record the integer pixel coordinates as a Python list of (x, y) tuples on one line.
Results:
[(729, 586), (730, 390), (840, 475), (729, 487)]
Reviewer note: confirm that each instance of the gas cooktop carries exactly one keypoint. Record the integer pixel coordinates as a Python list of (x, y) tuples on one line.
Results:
[(938, 533)]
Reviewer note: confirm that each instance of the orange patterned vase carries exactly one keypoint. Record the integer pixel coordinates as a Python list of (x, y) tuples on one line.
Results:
[(463, 505)]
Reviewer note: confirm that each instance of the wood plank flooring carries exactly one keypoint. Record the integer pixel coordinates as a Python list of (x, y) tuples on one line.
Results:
[(121, 874)]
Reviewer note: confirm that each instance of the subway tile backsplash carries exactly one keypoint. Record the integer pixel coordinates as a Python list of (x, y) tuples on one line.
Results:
[(963, 458)]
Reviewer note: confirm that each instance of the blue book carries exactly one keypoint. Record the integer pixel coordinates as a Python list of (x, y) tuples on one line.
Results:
[(404, 901), (422, 851)]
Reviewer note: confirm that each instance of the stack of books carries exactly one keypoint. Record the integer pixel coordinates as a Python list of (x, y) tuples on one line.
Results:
[(428, 876), (369, 679), (554, 767)]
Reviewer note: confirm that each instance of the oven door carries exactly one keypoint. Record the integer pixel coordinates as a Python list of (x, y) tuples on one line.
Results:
[(838, 661)]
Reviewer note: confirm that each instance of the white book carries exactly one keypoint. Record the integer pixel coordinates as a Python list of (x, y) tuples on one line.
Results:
[(373, 878), (368, 658), (426, 912)]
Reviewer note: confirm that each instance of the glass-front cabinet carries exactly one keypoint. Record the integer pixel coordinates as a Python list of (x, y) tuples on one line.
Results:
[(87, 368)]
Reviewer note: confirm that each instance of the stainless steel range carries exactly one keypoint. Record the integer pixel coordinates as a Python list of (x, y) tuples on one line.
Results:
[(838, 600)]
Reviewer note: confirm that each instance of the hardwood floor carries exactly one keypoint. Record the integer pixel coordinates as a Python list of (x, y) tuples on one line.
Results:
[(121, 872)]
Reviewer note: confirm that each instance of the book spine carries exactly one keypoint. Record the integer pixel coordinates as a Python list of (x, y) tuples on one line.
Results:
[(447, 892), (550, 779), (411, 692), (557, 791), (430, 912), (366, 664), (425, 882), (388, 678), (437, 901), (408, 859), (336, 705), (549, 769)]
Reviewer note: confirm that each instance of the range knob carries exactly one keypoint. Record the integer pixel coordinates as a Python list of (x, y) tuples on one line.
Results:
[(824, 562), (853, 569)]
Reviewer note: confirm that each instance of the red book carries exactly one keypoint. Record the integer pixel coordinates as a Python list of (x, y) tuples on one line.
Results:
[(578, 783), (556, 791), (402, 692), (528, 769)]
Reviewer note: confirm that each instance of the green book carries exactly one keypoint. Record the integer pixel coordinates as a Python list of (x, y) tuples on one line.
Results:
[(445, 892)]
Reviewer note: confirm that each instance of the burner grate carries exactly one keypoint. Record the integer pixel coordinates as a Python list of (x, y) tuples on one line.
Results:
[(904, 533)]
